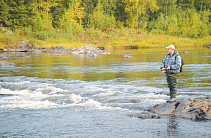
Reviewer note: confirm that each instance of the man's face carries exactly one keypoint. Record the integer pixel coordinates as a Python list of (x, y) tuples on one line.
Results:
[(170, 51)]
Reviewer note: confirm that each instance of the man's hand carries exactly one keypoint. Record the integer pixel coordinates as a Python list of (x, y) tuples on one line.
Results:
[(163, 69), (168, 68)]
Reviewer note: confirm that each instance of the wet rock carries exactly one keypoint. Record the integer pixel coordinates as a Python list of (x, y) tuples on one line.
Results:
[(145, 115), (25, 47), (57, 54), (6, 49), (198, 109), (93, 55), (44, 50), (21, 50), (5, 63), (126, 56), (52, 48), (23, 44), (67, 51), (104, 52), (9, 49), (165, 108), (59, 48), (185, 52), (77, 51), (89, 50)]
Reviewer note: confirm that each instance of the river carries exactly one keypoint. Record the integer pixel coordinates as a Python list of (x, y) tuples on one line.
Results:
[(47, 95)]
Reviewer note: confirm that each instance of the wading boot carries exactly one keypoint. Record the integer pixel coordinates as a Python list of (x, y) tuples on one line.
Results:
[(172, 96), (171, 100)]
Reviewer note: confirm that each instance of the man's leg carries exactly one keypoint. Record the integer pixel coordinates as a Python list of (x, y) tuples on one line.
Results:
[(172, 84)]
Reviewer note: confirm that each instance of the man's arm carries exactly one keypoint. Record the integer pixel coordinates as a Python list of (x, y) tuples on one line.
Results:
[(162, 67)]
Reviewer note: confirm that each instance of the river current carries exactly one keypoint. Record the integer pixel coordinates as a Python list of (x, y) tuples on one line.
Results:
[(48, 95)]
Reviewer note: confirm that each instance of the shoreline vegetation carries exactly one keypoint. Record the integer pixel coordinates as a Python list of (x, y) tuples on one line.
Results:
[(114, 39), (111, 24)]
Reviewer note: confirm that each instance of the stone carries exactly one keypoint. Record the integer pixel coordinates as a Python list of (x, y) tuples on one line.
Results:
[(165, 108), (44, 50), (57, 54), (104, 52), (185, 52), (126, 56), (209, 47), (145, 115), (52, 48), (59, 48), (23, 44), (93, 55), (21, 50), (88, 50), (197, 109)]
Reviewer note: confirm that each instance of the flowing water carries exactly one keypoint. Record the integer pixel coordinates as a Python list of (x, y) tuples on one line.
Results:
[(46, 95)]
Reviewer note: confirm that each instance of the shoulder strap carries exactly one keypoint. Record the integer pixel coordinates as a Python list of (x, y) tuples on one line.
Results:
[(176, 56)]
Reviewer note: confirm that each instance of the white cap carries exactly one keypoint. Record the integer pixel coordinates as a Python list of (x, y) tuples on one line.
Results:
[(171, 47)]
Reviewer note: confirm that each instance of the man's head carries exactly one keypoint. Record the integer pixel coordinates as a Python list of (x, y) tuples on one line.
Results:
[(171, 49)]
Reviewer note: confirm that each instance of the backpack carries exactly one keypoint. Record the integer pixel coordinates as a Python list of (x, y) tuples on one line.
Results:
[(182, 62)]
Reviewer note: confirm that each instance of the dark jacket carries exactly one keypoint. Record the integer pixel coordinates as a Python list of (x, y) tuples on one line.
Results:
[(173, 61)]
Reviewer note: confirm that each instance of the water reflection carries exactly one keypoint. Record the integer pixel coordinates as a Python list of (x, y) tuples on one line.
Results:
[(172, 124)]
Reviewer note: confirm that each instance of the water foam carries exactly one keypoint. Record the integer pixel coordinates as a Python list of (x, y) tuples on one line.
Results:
[(26, 99), (75, 98)]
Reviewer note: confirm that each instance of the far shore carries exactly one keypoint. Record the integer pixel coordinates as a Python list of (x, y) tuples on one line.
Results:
[(111, 42)]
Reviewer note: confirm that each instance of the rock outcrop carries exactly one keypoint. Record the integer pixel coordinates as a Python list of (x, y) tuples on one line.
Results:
[(89, 50), (198, 109), (24, 46)]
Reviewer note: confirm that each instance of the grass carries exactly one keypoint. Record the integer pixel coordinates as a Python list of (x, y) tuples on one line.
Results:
[(116, 39)]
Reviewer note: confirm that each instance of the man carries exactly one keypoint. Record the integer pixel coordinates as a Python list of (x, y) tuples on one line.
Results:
[(171, 66)]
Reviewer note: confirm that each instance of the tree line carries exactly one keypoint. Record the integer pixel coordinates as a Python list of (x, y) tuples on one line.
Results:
[(183, 18)]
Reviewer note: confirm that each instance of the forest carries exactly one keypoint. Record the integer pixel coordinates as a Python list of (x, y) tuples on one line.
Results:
[(80, 19)]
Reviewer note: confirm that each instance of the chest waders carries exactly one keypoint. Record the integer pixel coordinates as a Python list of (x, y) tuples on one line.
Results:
[(172, 85)]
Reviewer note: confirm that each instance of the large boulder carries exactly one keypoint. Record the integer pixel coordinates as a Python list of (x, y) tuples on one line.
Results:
[(89, 50), (23, 44), (198, 109)]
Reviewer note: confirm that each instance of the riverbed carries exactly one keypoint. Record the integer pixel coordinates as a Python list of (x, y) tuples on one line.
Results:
[(48, 95)]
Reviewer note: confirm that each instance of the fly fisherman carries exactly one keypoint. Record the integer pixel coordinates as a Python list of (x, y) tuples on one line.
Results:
[(171, 66)]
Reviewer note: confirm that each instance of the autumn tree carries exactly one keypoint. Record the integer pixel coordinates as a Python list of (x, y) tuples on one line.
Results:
[(136, 11), (102, 20)]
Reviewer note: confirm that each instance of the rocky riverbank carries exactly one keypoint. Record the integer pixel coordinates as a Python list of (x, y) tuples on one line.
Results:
[(25, 46), (197, 109)]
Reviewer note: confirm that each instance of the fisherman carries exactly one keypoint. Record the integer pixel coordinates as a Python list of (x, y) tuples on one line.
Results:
[(171, 66)]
